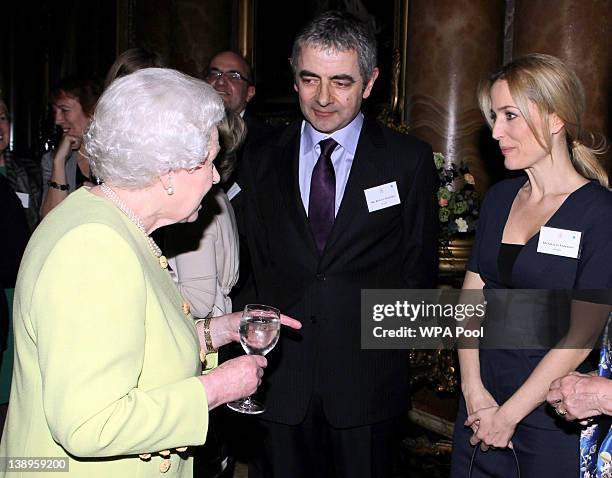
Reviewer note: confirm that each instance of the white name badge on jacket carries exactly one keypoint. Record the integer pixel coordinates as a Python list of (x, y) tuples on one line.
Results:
[(559, 242), (381, 197), (233, 191), (25, 200)]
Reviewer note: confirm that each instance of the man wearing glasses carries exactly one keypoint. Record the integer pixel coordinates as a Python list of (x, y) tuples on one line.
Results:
[(231, 76)]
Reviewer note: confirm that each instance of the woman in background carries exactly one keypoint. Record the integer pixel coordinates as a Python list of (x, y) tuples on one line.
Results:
[(66, 168), (204, 254), (535, 107), (22, 174)]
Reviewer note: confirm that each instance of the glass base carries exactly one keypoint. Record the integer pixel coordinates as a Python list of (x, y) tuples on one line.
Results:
[(247, 405)]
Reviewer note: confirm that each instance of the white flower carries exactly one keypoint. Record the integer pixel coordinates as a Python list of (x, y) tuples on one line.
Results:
[(462, 225)]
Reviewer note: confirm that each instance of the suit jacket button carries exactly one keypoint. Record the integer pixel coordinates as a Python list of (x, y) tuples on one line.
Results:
[(320, 276)]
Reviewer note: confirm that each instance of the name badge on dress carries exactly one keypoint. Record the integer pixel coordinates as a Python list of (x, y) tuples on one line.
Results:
[(559, 242), (381, 197), (25, 200)]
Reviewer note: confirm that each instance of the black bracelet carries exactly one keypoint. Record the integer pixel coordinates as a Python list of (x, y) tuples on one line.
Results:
[(61, 187)]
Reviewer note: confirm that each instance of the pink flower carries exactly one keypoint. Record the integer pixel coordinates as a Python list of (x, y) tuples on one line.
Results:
[(469, 178), (443, 202)]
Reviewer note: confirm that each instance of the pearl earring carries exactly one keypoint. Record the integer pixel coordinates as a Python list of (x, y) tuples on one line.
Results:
[(170, 188)]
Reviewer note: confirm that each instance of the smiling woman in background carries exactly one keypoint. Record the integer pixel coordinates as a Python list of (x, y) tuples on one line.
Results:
[(108, 356), (535, 107), (66, 168)]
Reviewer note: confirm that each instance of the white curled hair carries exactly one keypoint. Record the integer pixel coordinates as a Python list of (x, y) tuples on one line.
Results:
[(148, 123)]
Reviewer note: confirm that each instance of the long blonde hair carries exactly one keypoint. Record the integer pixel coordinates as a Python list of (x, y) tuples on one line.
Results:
[(232, 132), (552, 87)]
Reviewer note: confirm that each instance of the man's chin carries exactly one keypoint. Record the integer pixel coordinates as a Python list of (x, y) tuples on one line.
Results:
[(323, 125)]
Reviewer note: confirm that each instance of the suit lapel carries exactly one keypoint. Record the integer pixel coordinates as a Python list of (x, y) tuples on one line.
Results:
[(288, 171), (364, 168), (370, 146)]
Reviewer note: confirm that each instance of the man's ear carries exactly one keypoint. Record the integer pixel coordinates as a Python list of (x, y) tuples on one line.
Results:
[(250, 93), (368, 87)]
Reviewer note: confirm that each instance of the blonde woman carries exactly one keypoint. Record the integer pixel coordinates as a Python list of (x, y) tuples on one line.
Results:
[(535, 107), (204, 255)]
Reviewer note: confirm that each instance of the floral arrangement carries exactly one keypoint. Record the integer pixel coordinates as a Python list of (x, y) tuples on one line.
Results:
[(457, 196), (457, 199)]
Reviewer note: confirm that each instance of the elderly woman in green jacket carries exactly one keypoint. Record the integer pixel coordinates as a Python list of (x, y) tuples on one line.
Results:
[(108, 358)]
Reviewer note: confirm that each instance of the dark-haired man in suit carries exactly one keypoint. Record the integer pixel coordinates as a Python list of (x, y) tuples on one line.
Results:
[(334, 205)]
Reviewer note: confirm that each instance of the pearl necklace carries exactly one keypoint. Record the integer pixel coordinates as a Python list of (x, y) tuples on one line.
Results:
[(131, 215)]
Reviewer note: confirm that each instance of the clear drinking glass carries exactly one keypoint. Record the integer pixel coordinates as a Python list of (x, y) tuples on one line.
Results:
[(259, 333)]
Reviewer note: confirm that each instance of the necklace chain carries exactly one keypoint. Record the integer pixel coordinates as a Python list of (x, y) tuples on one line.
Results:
[(131, 215)]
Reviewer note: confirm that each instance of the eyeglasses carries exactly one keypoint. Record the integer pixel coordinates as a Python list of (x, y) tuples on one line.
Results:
[(214, 75)]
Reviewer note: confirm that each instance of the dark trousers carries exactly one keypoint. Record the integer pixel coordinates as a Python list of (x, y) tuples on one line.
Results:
[(314, 448)]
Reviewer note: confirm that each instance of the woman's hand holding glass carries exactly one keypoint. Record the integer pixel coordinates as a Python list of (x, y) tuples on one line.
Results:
[(238, 377), (226, 328), (259, 333), (234, 379)]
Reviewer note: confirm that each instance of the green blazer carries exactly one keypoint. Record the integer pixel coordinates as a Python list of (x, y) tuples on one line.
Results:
[(105, 359)]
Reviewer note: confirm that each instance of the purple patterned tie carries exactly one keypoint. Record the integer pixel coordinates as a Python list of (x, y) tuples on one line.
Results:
[(322, 201)]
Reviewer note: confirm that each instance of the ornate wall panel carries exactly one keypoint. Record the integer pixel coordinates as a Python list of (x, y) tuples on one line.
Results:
[(203, 29), (452, 44), (579, 32), (153, 26), (186, 32)]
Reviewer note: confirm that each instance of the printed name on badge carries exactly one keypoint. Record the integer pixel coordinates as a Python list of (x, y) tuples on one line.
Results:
[(381, 197), (559, 242)]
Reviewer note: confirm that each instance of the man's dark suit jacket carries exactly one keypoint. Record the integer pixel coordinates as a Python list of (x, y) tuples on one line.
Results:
[(390, 248), (257, 132)]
